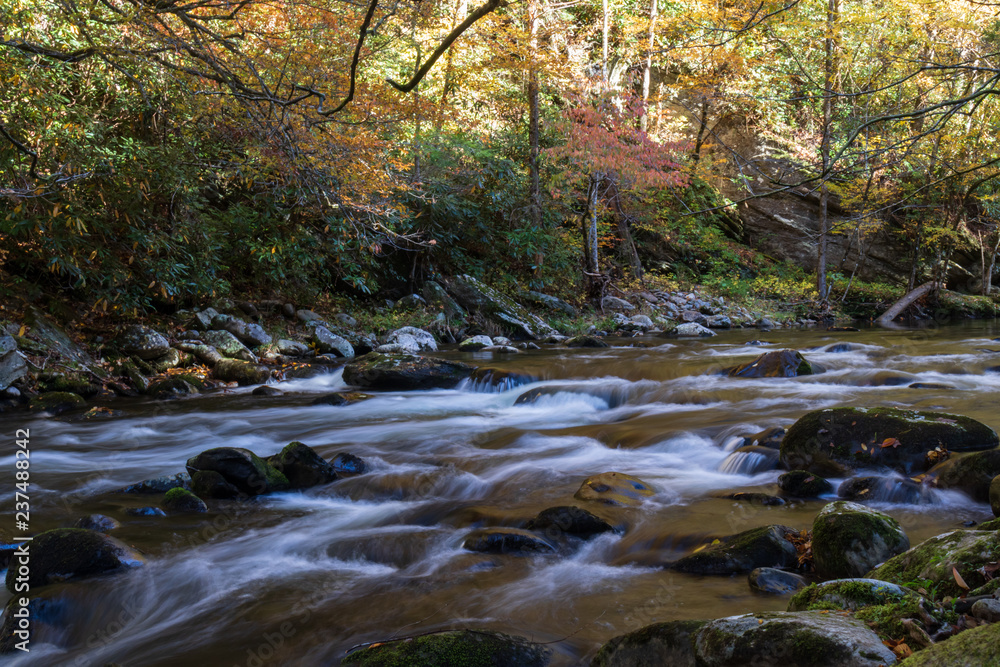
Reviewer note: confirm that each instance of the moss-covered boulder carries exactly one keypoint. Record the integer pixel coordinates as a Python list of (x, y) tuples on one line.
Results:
[(839, 440), (569, 520), (56, 402), (777, 364), (670, 643), (498, 309), (930, 564), (977, 647), (240, 467), (303, 467), (171, 387), (506, 541), (74, 383), (226, 344), (158, 484), (809, 638), (767, 546), (70, 553), (211, 485), (182, 501), (143, 342), (455, 648), (850, 595), (995, 495), (802, 484), (242, 373), (850, 539), (403, 372), (172, 359), (614, 488), (775, 581), (327, 342), (98, 522), (972, 473)]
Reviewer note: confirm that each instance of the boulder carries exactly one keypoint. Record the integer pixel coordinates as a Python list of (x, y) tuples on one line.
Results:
[(850, 539), (52, 338), (226, 344), (690, 330), (242, 373), (693, 316), (777, 364), (931, 562), (505, 541), (972, 648), (485, 378), (995, 496), (410, 302), (143, 342), (613, 303), (71, 382), (172, 359), (850, 595), (614, 488), (972, 473), (767, 546), (774, 581), (402, 372), (341, 398), (986, 610), (412, 340), (350, 464), (437, 299), (550, 303), (246, 471), (13, 366), (498, 309), (178, 385), (568, 520), (750, 460), (212, 485), (719, 322), (667, 644), (585, 341), (303, 467), (327, 342), (56, 402), (640, 323), (158, 484), (205, 353), (453, 648), (266, 391), (881, 489), (306, 316), (292, 348), (837, 441), (802, 484), (474, 343), (182, 501), (71, 553), (97, 522), (203, 319), (811, 638)]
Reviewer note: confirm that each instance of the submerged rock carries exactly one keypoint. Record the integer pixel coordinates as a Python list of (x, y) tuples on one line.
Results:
[(569, 520), (241, 468), (341, 398), (750, 460), (71, 553), (303, 467), (802, 484), (668, 644), (97, 522), (349, 464), (875, 488), (505, 541), (780, 363), (454, 648), (614, 488), (777, 582), (145, 511), (402, 372), (850, 539), (767, 546), (182, 501), (836, 441)]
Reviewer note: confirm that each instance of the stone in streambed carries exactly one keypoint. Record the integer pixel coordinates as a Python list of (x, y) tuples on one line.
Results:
[(182, 501), (174, 387), (505, 541), (56, 402), (850, 539), (212, 485), (454, 648), (876, 488), (72, 553), (614, 488), (242, 373), (226, 344), (97, 522), (780, 363), (569, 520), (327, 342), (341, 398), (667, 644), (303, 467), (995, 496), (240, 467), (143, 342), (851, 595), (978, 647), (292, 348), (775, 581), (750, 460), (585, 341), (474, 343), (802, 484), (266, 391), (404, 372), (145, 511), (972, 474), (158, 484), (767, 546), (346, 463)]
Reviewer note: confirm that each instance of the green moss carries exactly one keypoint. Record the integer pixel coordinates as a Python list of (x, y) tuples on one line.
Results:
[(850, 594), (979, 646), (848, 539), (461, 648), (887, 619), (670, 643)]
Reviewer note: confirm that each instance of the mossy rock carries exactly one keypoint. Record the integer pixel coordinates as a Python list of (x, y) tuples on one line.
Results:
[(211, 485), (767, 546), (849, 595), (809, 638), (341, 398), (978, 647), (171, 387), (72, 553), (143, 342), (656, 645), (585, 341), (777, 364), (455, 648), (929, 564), (993, 524), (129, 369), (802, 484), (182, 501), (303, 467), (995, 495), (158, 484), (839, 440), (48, 618), (850, 539), (242, 373), (569, 520), (989, 588), (241, 468), (228, 345), (172, 359), (73, 383), (402, 372), (506, 541), (972, 473), (56, 402)]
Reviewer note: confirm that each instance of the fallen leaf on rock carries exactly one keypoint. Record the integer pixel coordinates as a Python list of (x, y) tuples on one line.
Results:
[(890, 442), (959, 580)]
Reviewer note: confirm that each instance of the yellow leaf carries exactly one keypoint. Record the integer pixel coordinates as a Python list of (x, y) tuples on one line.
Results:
[(273, 249), (55, 211), (150, 285), (21, 331), (959, 580)]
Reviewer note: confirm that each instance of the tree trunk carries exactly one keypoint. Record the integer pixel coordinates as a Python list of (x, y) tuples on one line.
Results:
[(604, 45), (648, 68), (702, 126), (591, 243), (897, 308), (830, 68), (535, 190)]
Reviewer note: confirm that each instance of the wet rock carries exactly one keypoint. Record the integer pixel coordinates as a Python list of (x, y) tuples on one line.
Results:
[(836, 441), (203, 319), (211, 485), (884, 489), (226, 344), (780, 363), (668, 644), (840, 348), (774, 581), (502, 349), (182, 501), (474, 343), (172, 387), (346, 463), (292, 348), (995, 496), (437, 299), (71, 553), (689, 330), (402, 372), (767, 546), (585, 341), (802, 484), (986, 610), (550, 303), (769, 437), (172, 359), (495, 379), (143, 342), (932, 561), (56, 402), (497, 309), (341, 398), (71, 382), (972, 473), (145, 512), (327, 342), (569, 520), (305, 316), (267, 391), (47, 617), (242, 373), (505, 541), (411, 340), (851, 595), (750, 460), (97, 522), (929, 385), (850, 539), (454, 648), (158, 484), (205, 353), (240, 467), (303, 467), (719, 322), (614, 488), (754, 498), (786, 638), (13, 366)]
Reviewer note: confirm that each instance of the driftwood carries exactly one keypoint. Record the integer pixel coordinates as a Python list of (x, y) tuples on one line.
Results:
[(886, 318)]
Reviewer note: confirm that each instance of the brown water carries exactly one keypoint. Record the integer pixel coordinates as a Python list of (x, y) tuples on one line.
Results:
[(299, 578)]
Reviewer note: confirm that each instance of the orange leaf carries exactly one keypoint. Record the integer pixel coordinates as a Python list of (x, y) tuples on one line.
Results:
[(959, 580), (890, 442)]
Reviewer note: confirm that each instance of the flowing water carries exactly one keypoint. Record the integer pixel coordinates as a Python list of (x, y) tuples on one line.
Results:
[(300, 578)]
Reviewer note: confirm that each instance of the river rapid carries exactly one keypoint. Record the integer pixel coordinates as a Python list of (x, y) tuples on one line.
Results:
[(300, 578)]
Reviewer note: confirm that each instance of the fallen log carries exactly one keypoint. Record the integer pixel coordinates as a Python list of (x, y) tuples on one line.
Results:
[(886, 318)]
